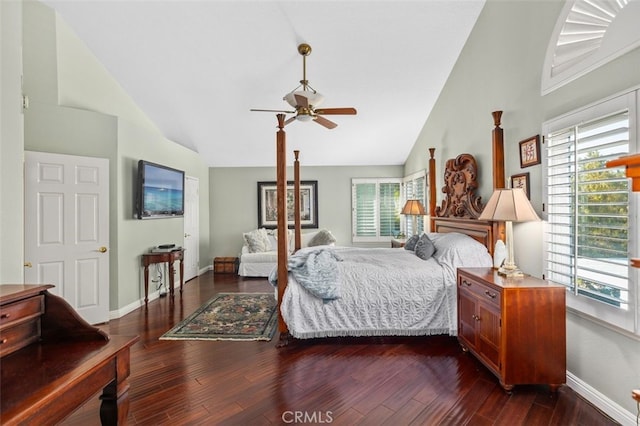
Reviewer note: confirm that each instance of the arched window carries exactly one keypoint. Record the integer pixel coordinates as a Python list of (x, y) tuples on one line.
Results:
[(588, 34)]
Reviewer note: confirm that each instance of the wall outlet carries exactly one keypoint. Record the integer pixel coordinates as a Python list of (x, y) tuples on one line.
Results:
[(635, 394)]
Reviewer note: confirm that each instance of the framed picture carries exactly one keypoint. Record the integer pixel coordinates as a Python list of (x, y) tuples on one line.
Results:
[(268, 204), (530, 151), (521, 181)]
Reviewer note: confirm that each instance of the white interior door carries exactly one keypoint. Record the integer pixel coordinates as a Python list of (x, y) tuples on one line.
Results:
[(191, 227), (67, 229)]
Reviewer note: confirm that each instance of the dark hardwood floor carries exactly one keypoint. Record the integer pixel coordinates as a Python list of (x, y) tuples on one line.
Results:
[(390, 381)]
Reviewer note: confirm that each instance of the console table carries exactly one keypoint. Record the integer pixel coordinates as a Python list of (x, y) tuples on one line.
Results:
[(162, 257), (53, 360)]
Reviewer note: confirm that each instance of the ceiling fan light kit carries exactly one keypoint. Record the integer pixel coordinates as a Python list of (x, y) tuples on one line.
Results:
[(314, 98), (306, 101)]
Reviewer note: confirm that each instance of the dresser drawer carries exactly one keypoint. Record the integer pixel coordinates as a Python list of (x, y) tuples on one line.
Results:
[(19, 336), (482, 291), (16, 312)]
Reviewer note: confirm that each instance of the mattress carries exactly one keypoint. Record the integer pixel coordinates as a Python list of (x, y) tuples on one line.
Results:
[(386, 292)]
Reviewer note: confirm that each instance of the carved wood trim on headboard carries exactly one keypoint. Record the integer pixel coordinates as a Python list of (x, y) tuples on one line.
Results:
[(460, 184)]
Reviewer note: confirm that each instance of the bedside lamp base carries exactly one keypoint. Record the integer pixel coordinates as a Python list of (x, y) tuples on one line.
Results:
[(510, 271)]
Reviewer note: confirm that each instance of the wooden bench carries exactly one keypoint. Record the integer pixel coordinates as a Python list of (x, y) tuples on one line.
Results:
[(53, 361)]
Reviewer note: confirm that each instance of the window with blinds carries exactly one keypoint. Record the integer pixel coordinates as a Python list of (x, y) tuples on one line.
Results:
[(376, 209), (415, 188), (588, 210)]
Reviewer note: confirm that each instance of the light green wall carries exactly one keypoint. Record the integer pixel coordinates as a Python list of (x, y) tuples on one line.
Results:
[(234, 200), (78, 108), (11, 145), (500, 69)]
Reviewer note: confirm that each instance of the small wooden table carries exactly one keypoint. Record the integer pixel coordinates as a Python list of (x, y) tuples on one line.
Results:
[(162, 257)]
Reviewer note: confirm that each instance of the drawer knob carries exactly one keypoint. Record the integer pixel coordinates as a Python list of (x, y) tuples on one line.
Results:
[(491, 295), (467, 283), (5, 316), (3, 341), (475, 317)]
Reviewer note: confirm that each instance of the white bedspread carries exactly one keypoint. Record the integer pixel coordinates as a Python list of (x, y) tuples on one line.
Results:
[(387, 292)]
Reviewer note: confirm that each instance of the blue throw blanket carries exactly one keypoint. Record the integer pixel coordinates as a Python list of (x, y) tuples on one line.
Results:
[(316, 269)]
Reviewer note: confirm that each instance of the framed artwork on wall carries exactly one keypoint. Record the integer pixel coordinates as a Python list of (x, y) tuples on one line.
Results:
[(268, 209), (530, 151), (521, 181)]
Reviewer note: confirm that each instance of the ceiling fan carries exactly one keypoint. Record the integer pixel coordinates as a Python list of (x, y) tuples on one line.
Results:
[(307, 100)]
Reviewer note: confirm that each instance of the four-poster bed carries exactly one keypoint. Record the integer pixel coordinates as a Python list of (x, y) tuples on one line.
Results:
[(457, 214)]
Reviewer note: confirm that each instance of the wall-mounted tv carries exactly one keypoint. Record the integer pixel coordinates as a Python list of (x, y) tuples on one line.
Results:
[(160, 191)]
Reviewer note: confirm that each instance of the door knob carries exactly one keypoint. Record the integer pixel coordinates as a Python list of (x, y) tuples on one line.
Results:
[(187, 235), (28, 265), (102, 249)]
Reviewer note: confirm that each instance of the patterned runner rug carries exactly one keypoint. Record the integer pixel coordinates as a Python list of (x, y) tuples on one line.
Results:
[(230, 316)]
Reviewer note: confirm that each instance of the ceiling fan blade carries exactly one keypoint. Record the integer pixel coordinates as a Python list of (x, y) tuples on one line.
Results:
[(301, 101), (336, 111), (289, 120), (271, 110), (324, 122)]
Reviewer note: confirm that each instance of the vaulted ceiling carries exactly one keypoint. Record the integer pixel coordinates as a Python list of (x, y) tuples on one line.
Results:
[(196, 68)]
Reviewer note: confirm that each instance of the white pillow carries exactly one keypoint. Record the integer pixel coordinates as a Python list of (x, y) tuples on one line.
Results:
[(273, 239), (257, 241)]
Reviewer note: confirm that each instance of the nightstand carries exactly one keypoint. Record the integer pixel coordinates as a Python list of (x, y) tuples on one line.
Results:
[(515, 326), (398, 242)]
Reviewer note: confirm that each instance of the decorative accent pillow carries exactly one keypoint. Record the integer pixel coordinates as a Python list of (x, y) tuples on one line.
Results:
[(410, 244), (322, 238), (257, 241), (424, 247)]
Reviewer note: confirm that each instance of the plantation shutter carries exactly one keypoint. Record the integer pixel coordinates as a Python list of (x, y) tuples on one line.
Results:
[(376, 209), (588, 231), (365, 210), (389, 209)]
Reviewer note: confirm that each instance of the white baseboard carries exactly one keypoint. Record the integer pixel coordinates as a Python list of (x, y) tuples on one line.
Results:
[(118, 313), (606, 405)]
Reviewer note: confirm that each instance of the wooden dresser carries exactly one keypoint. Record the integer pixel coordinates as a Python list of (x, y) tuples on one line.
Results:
[(53, 361), (515, 326)]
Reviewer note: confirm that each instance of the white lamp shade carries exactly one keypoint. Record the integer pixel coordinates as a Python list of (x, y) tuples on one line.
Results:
[(509, 205), (313, 98)]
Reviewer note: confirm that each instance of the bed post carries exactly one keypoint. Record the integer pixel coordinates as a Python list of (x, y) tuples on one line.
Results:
[(432, 188), (296, 201), (497, 136), (281, 191)]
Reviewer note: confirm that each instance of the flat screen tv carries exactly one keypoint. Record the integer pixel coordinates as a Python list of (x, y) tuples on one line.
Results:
[(160, 191)]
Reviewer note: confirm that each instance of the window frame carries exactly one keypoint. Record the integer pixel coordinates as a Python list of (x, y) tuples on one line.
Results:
[(627, 320), (377, 181), (413, 178)]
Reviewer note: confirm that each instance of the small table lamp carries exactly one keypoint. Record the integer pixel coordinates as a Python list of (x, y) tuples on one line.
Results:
[(413, 208), (509, 205)]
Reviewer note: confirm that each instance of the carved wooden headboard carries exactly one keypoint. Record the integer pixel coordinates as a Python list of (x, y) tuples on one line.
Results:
[(462, 206), (460, 185)]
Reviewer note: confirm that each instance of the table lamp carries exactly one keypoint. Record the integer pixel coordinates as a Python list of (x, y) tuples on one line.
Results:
[(413, 208), (509, 205)]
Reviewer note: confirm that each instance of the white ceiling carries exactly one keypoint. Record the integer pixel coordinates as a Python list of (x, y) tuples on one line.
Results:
[(197, 67)]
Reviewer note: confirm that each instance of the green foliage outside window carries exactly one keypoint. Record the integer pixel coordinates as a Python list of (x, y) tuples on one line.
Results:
[(602, 221)]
